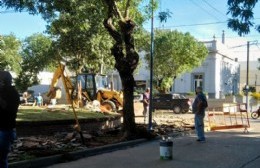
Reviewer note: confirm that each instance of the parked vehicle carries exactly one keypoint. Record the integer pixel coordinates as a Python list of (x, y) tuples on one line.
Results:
[(177, 103), (256, 114)]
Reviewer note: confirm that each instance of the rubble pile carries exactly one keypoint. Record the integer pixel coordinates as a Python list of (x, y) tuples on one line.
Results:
[(173, 127), (32, 147)]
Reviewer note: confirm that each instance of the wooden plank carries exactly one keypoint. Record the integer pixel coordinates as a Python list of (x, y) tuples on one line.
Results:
[(213, 128)]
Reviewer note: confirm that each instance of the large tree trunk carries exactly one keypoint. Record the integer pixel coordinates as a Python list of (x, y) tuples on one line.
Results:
[(128, 107), (126, 63)]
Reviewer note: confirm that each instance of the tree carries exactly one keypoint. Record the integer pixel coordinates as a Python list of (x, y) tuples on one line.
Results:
[(242, 16), (175, 53), (36, 57), (10, 58), (164, 15), (117, 17), (121, 27), (81, 38)]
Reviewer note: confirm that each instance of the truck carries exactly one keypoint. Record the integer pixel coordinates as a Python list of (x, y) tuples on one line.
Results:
[(175, 102)]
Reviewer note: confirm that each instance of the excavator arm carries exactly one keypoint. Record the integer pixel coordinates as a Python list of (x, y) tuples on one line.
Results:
[(59, 73), (82, 93)]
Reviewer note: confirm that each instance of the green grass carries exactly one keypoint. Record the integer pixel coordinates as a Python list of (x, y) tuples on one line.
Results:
[(42, 114)]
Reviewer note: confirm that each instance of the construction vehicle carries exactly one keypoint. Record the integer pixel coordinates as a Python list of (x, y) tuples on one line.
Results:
[(95, 87), (54, 91), (85, 88)]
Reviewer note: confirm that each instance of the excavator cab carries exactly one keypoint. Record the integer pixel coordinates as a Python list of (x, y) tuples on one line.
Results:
[(91, 84), (95, 87)]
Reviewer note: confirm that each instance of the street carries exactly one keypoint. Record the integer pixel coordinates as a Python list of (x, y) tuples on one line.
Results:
[(223, 149)]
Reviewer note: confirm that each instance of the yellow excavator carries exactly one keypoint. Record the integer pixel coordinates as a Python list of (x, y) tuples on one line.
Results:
[(84, 88)]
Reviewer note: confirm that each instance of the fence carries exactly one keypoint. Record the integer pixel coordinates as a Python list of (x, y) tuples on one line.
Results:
[(232, 116)]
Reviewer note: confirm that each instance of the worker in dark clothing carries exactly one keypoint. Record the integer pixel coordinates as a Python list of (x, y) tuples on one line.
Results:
[(9, 103), (198, 108)]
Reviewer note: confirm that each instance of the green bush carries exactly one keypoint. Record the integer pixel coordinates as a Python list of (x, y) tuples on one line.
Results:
[(191, 94)]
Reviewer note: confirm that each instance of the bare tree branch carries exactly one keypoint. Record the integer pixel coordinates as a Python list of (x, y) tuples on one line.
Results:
[(108, 23), (117, 11), (127, 9)]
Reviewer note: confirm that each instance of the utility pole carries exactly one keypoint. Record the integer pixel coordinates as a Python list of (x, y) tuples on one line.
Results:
[(151, 71), (255, 80), (247, 75)]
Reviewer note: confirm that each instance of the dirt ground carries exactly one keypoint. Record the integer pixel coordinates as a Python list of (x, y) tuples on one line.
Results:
[(165, 123)]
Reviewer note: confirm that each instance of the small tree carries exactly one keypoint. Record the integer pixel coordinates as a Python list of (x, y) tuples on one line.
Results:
[(10, 58), (81, 38), (175, 53), (36, 57)]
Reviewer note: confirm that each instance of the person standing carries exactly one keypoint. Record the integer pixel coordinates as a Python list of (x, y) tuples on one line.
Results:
[(25, 97), (9, 103), (198, 108), (146, 101), (39, 100)]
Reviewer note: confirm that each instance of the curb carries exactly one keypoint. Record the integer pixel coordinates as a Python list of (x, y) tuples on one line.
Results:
[(71, 156)]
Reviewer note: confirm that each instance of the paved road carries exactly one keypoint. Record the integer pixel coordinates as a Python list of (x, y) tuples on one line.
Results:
[(223, 149)]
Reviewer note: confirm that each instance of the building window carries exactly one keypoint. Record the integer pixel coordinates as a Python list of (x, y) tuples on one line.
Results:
[(198, 81)]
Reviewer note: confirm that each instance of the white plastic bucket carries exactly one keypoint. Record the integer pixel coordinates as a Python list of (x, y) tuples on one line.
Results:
[(165, 150), (53, 102)]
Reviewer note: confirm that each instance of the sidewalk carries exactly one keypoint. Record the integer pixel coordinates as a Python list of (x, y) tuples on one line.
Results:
[(223, 149)]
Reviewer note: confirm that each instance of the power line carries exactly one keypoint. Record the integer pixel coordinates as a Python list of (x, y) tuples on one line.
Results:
[(230, 37), (11, 11), (196, 24), (246, 51), (196, 4), (199, 24), (213, 7), (3, 12), (243, 45)]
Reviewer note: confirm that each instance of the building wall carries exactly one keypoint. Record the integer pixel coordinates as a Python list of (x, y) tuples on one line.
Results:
[(142, 73), (253, 75), (216, 65), (219, 74), (45, 81), (229, 75)]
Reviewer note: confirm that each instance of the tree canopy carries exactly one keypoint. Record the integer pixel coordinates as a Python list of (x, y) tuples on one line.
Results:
[(174, 54), (76, 25), (9, 53), (81, 38), (242, 16), (36, 57)]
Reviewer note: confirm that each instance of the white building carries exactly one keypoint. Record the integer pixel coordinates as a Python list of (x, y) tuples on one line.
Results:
[(44, 83), (253, 74), (219, 74)]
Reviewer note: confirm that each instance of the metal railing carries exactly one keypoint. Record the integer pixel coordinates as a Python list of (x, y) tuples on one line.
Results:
[(230, 117)]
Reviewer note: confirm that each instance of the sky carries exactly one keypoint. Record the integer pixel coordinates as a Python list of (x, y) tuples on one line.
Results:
[(203, 19)]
